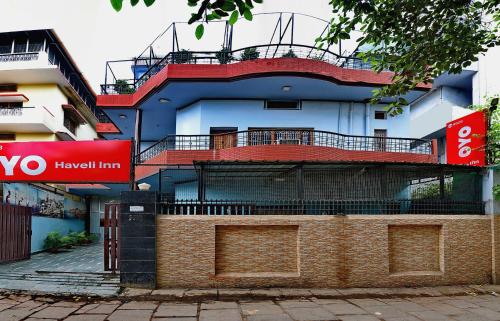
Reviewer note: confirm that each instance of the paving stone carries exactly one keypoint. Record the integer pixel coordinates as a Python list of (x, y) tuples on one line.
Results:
[(310, 314), (20, 298), (443, 308), (385, 311), (15, 314), (4, 306), (408, 306), (492, 305), (366, 302), (266, 317), (487, 313), (462, 304), (176, 319), (35, 319), (325, 292), (130, 315), (469, 316), (86, 317), (102, 309), (328, 301), (139, 305), (204, 293), (298, 304), (216, 305), (365, 292), (31, 304), (344, 308), (52, 312), (129, 292), (295, 293), (176, 310), (230, 293), (261, 308), (176, 293), (431, 316), (220, 315), (86, 308), (359, 318), (268, 293), (407, 318), (452, 290)]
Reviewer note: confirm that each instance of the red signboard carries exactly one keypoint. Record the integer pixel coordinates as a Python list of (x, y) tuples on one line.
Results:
[(99, 161), (465, 140)]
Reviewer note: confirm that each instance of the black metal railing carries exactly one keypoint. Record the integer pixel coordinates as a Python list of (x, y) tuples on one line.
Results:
[(286, 137), (22, 56), (115, 85), (321, 207)]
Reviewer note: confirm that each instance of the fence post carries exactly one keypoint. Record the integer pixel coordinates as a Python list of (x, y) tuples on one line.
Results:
[(138, 239)]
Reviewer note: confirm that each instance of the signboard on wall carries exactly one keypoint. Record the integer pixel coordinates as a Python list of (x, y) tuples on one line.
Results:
[(99, 161), (465, 140)]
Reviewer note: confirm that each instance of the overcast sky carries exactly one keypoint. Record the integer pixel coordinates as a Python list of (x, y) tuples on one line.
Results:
[(94, 33)]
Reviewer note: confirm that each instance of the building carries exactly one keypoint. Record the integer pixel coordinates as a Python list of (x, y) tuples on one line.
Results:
[(44, 97)]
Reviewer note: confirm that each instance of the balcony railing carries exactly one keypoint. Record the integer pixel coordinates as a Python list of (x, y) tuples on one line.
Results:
[(126, 86), (11, 111), (321, 207), (286, 137), (24, 56)]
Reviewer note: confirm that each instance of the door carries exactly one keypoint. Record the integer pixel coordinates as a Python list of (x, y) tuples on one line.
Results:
[(15, 232), (223, 137)]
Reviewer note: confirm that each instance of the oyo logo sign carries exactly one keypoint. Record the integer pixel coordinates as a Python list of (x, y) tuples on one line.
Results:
[(30, 165), (463, 140)]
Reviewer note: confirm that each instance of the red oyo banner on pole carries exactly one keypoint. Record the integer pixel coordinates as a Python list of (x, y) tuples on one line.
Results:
[(98, 161), (466, 139)]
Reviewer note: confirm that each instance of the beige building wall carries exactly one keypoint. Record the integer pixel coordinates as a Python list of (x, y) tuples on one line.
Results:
[(326, 251)]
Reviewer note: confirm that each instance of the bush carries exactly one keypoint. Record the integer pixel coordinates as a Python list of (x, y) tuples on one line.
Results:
[(122, 87), (289, 54), (53, 241), (249, 54), (183, 56), (224, 56), (67, 241)]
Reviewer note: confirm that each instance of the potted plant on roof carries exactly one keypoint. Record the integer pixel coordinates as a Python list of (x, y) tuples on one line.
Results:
[(289, 54), (249, 54), (224, 56), (183, 56)]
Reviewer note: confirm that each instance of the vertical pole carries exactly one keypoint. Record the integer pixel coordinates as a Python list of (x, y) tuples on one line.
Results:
[(159, 184), (132, 185), (138, 130), (201, 185), (87, 216), (300, 181), (293, 27)]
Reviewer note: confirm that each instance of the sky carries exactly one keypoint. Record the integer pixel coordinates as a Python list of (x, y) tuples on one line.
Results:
[(94, 33)]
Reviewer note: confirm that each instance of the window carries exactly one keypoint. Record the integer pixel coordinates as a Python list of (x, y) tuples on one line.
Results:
[(70, 123), (380, 114), (283, 104), (280, 136), (380, 139), (8, 88), (7, 136)]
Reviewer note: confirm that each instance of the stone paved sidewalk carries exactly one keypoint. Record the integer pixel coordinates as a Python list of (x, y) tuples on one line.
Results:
[(468, 307)]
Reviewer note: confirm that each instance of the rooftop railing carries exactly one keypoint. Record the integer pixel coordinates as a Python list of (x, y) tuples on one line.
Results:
[(288, 137), (154, 66)]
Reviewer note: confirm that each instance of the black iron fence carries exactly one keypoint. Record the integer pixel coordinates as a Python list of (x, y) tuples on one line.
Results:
[(286, 137), (321, 207), (114, 85)]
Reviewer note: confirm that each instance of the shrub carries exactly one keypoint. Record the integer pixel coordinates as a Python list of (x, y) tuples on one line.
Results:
[(289, 54), (67, 241), (249, 54), (53, 241), (183, 56), (122, 87), (224, 56)]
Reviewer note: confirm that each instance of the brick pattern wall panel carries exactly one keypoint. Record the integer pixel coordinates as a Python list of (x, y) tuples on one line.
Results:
[(334, 251), (414, 248), (256, 249)]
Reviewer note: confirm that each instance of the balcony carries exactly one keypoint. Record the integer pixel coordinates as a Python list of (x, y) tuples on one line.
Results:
[(286, 145), (28, 120)]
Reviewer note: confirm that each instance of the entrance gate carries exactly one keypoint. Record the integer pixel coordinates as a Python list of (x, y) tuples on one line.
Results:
[(111, 226), (15, 232)]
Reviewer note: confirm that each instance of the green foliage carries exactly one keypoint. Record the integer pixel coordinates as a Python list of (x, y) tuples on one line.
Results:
[(118, 4), (199, 31), (249, 54), (122, 87), (289, 54), (224, 56), (53, 241), (183, 56), (496, 192), (492, 111)]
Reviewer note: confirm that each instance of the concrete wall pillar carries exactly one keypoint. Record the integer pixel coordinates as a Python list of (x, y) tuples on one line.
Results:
[(138, 239)]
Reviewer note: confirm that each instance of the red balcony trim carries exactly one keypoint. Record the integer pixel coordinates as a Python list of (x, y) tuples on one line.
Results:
[(250, 69), (277, 153)]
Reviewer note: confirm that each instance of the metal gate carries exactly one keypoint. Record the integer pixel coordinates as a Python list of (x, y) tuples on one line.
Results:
[(111, 224), (15, 232)]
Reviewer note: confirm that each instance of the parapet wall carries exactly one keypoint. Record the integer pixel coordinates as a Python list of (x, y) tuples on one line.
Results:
[(326, 251)]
